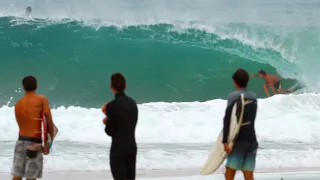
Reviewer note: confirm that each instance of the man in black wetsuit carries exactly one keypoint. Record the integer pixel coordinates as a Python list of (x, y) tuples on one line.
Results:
[(121, 119), (243, 154)]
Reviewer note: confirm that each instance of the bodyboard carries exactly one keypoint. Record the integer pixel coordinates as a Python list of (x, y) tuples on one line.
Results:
[(45, 132)]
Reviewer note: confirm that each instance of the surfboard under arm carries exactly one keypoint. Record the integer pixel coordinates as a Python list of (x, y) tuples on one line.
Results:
[(217, 155), (46, 134)]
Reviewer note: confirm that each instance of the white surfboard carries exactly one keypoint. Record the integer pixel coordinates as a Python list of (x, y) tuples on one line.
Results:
[(217, 154)]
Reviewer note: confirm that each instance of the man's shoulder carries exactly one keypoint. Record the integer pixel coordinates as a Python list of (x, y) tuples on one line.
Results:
[(273, 77), (112, 102), (17, 104), (233, 96), (35, 97), (127, 98), (42, 96), (250, 95), (131, 99)]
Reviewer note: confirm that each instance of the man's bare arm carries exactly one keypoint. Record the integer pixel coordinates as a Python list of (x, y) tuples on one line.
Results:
[(47, 113), (15, 111), (273, 90), (265, 87)]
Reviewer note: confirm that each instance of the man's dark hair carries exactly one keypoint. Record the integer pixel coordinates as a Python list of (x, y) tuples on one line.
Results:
[(262, 72), (29, 83), (118, 82), (241, 77)]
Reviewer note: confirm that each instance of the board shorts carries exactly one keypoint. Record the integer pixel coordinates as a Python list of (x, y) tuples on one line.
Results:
[(28, 166), (278, 85), (243, 156)]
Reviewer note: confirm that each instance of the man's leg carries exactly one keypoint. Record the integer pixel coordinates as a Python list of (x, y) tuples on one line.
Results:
[(230, 173), (249, 163), (17, 178), (248, 175), (235, 160), (34, 166), (284, 91), (19, 158), (131, 165), (20, 178), (117, 163)]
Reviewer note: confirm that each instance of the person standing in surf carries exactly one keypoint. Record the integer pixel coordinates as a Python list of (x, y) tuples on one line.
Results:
[(273, 82), (242, 156), (121, 120), (28, 11), (29, 110)]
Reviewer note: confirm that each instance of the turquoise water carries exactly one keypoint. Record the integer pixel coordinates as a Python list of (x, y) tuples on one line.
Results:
[(172, 51), (168, 52)]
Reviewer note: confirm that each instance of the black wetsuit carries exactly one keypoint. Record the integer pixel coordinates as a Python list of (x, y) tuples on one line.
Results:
[(122, 114), (244, 150), (247, 132)]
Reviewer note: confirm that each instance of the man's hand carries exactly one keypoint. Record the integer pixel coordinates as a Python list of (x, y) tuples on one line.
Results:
[(105, 121), (104, 109), (227, 148), (46, 149), (265, 87), (254, 75)]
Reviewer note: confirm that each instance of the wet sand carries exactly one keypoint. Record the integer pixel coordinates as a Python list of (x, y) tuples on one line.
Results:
[(185, 174)]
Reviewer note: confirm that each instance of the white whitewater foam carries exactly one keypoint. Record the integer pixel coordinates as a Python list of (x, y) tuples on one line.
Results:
[(281, 118), (169, 135), (284, 12)]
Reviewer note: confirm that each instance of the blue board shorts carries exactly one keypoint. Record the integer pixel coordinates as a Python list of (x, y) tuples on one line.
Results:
[(243, 156)]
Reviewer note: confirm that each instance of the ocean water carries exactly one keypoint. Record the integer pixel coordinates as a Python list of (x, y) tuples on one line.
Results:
[(178, 57)]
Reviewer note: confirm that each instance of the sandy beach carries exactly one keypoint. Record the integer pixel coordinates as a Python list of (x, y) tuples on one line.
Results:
[(185, 174)]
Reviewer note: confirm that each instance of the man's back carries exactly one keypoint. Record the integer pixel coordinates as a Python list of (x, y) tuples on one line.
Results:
[(122, 115), (242, 155), (271, 79), (247, 131), (28, 111), (121, 120)]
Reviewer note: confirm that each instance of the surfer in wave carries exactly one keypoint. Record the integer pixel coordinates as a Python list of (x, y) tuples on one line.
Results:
[(273, 82), (28, 11)]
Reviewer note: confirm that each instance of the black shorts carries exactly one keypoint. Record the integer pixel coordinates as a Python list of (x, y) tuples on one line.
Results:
[(278, 85)]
